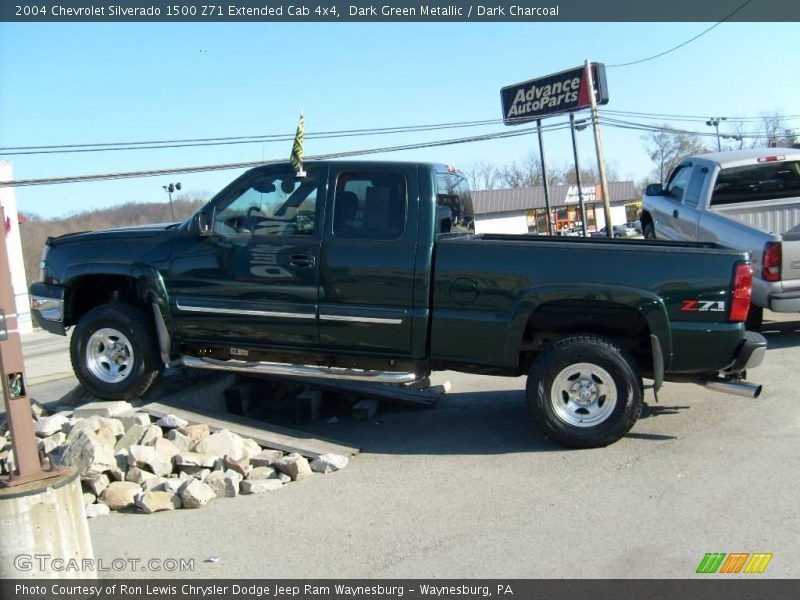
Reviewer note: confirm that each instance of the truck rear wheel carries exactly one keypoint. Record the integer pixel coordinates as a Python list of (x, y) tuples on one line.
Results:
[(114, 352), (585, 392), (649, 231)]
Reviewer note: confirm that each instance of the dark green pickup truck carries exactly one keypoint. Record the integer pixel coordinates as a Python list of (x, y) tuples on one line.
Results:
[(372, 271)]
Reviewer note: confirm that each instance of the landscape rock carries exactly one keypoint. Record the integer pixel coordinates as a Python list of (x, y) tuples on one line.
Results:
[(182, 442), (222, 443), (97, 484), (148, 458), (199, 473), (294, 465), (120, 494), (109, 408), (115, 425), (171, 422), (131, 418), (155, 484), (97, 510), (240, 466), (118, 470), (89, 498), (327, 463), (38, 410), (195, 433), (224, 484), (105, 435), (261, 473), (133, 436), (152, 434), (251, 448), (282, 477), (195, 459), (88, 455), (49, 444), (140, 476), (47, 426), (196, 494), (74, 429), (266, 458), (154, 501), (174, 486), (259, 486)]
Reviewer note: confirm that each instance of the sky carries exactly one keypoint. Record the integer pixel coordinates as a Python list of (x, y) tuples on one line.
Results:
[(107, 82)]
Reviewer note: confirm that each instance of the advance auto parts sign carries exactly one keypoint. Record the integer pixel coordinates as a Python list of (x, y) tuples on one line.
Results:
[(563, 92)]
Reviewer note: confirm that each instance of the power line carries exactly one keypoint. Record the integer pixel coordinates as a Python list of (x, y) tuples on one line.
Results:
[(249, 164), (682, 44)]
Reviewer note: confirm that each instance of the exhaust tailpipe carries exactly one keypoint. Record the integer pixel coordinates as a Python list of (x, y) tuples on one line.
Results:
[(737, 388)]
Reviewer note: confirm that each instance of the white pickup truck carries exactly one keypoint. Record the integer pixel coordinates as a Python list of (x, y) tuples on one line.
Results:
[(743, 199)]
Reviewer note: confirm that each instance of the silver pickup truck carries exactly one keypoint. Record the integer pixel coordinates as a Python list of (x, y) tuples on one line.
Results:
[(742, 199)]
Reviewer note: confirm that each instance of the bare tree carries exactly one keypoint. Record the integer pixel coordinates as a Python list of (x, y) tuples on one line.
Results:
[(528, 173), (774, 133), (482, 175), (667, 148)]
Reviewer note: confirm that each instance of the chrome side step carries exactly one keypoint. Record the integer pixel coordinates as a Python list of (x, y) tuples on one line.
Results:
[(265, 368)]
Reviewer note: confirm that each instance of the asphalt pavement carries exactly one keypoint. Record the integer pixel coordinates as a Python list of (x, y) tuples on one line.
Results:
[(472, 489)]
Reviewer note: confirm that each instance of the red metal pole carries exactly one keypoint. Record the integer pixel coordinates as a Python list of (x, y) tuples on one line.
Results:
[(18, 406)]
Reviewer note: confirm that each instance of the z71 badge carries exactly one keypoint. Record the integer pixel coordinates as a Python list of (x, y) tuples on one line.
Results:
[(703, 306)]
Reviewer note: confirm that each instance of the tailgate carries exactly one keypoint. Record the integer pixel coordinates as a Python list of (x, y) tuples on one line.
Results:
[(790, 256)]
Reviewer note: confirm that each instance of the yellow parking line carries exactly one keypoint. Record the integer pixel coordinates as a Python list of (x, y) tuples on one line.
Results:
[(49, 378)]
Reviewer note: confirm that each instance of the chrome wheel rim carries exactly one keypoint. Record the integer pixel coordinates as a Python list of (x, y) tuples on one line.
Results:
[(583, 395), (109, 355)]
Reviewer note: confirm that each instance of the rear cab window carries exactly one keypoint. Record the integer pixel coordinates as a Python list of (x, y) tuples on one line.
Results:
[(370, 205), (453, 203), (751, 183)]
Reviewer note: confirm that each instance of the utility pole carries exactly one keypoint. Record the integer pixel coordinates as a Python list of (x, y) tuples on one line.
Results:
[(714, 122), (169, 189), (598, 142), (544, 179), (572, 128)]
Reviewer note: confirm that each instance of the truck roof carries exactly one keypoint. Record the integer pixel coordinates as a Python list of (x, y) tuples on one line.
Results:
[(740, 158), (441, 167)]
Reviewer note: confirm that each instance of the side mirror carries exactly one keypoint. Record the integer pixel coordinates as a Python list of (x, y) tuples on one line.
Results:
[(654, 189), (202, 222)]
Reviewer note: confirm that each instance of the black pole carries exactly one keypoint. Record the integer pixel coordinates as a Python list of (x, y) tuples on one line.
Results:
[(577, 172), (544, 179)]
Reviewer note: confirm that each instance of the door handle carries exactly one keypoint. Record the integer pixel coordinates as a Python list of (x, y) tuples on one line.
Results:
[(675, 213), (302, 260)]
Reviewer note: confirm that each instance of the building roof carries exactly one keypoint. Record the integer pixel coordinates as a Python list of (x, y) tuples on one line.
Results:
[(516, 199)]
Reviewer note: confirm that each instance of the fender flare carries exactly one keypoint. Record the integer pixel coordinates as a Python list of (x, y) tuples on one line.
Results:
[(645, 303)]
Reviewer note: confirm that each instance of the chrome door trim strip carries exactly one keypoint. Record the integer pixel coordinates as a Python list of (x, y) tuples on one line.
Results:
[(361, 319), (254, 313)]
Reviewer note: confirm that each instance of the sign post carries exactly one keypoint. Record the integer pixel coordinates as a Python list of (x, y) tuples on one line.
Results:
[(564, 92), (601, 165), (544, 180), (18, 406), (577, 173)]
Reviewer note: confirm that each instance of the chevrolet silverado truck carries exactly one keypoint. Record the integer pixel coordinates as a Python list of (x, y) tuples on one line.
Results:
[(371, 271), (745, 199)]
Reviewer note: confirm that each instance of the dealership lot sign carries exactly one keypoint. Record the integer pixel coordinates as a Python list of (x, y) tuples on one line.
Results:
[(562, 92)]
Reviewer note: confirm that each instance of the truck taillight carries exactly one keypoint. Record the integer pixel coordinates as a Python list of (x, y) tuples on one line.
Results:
[(771, 262), (742, 291)]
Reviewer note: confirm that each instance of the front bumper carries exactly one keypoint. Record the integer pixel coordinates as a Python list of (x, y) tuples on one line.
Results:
[(47, 306)]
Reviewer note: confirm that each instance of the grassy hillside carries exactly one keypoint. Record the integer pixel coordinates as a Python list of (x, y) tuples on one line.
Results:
[(37, 229)]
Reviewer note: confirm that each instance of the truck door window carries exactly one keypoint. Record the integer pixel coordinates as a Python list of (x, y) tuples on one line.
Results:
[(677, 184), (692, 197), (370, 206), (269, 204)]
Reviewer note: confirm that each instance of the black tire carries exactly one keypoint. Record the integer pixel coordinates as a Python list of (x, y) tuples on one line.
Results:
[(755, 317), (135, 354), (649, 232), (611, 369)]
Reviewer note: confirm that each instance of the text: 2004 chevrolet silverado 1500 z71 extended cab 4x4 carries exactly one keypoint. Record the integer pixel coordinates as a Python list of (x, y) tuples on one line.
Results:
[(370, 270)]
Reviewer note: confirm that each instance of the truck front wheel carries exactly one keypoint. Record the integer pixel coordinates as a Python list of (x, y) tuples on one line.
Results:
[(114, 352), (585, 392)]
